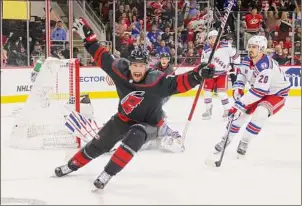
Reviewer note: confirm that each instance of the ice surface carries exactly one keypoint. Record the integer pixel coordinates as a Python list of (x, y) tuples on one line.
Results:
[(270, 174)]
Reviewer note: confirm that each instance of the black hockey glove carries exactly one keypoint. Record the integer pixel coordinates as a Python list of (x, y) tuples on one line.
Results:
[(82, 28), (205, 71)]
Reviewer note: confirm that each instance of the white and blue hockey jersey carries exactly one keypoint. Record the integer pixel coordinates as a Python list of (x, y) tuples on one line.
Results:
[(223, 56), (265, 78)]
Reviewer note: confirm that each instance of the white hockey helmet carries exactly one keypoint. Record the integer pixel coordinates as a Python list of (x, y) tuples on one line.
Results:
[(260, 41), (213, 33)]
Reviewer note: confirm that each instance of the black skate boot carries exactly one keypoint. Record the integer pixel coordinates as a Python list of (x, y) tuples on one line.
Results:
[(63, 170), (242, 147), (102, 180)]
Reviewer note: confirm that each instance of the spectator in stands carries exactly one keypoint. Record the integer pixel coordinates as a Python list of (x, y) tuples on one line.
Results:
[(59, 33), (141, 40), (297, 48), (284, 27), (135, 27), (166, 35), (36, 53), (152, 35), (162, 48), (287, 43), (3, 56), (66, 51), (298, 34), (270, 22), (190, 57), (76, 54), (121, 27), (4, 39), (253, 22), (279, 56), (119, 12)]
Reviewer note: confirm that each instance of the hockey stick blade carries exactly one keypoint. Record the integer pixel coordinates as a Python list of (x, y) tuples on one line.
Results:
[(218, 163)]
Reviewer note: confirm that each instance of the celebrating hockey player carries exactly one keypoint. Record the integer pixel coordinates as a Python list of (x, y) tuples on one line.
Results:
[(269, 89), (221, 61), (141, 92)]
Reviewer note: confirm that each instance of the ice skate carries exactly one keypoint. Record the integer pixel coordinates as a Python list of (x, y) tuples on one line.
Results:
[(208, 114), (241, 149), (219, 146), (225, 114), (101, 181), (62, 170)]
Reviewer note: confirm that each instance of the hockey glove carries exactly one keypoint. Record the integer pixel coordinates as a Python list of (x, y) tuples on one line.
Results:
[(237, 94), (205, 71), (82, 28), (236, 111)]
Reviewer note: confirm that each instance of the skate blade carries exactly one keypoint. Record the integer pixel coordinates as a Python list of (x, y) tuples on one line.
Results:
[(206, 118), (96, 190), (240, 157)]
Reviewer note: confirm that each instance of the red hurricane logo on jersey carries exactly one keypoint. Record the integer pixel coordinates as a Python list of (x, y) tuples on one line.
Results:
[(132, 100)]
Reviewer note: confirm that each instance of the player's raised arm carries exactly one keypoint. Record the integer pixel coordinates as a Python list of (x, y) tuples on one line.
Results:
[(184, 82), (100, 54)]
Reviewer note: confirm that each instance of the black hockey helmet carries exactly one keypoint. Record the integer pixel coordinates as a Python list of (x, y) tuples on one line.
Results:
[(165, 54), (139, 55)]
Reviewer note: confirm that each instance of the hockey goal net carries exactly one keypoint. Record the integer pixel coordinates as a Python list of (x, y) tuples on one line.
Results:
[(55, 92)]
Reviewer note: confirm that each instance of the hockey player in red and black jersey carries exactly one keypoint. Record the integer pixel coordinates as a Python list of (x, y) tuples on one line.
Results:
[(164, 64), (141, 93)]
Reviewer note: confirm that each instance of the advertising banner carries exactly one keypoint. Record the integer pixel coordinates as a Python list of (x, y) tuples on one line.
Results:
[(16, 83)]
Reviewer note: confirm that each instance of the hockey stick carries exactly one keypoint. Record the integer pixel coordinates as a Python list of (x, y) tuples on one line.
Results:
[(223, 22), (218, 163)]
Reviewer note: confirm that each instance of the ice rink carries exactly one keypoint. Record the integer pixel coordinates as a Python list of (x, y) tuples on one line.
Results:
[(270, 174)]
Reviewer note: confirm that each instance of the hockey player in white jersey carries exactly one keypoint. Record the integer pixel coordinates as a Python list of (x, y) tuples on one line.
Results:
[(266, 96), (224, 55)]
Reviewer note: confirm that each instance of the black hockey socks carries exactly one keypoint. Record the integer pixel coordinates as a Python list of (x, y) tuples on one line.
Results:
[(133, 141)]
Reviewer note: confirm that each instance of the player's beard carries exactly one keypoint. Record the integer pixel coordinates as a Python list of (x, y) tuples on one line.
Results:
[(252, 55)]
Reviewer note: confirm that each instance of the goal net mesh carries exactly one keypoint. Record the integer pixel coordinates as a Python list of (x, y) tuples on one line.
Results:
[(40, 124)]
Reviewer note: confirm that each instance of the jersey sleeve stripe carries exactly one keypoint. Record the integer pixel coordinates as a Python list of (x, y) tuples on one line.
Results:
[(257, 93), (283, 92), (186, 81), (180, 84)]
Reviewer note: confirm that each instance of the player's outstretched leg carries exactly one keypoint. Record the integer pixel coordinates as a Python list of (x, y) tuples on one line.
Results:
[(132, 142), (107, 137)]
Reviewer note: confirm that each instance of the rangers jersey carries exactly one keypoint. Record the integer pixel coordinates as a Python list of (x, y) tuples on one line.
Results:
[(223, 56), (265, 78)]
